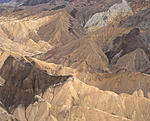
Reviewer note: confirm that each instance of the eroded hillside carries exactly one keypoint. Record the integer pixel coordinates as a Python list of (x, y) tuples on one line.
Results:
[(74, 60)]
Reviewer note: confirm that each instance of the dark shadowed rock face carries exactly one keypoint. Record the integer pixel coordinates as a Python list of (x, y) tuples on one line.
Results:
[(23, 81), (128, 43), (136, 61), (140, 20)]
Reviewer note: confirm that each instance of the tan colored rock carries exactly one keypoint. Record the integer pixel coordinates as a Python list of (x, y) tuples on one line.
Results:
[(3, 57), (125, 82), (80, 82), (5, 116), (84, 55), (30, 43), (2, 81), (39, 112), (124, 105), (89, 114), (19, 113), (138, 93), (136, 61)]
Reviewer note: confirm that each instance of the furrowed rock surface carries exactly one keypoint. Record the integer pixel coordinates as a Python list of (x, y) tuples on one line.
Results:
[(23, 82), (54, 67)]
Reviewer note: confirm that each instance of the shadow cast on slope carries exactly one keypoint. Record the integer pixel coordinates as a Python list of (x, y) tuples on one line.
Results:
[(23, 82)]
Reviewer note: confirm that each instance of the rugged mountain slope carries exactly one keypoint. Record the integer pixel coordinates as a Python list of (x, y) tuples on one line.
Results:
[(43, 35), (106, 101), (64, 105), (125, 82), (54, 68), (79, 54), (112, 12), (41, 28), (114, 52), (94, 44)]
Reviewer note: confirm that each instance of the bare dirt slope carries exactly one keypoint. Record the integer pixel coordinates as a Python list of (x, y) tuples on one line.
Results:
[(75, 60)]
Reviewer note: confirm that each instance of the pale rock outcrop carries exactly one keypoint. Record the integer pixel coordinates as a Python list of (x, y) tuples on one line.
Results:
[(2, 81), (39, 112), (80, 94), (39, 98), (19, 113), (46, 112), (5, 116), (68, 105), (3, 57), (103, 18), (139, 93)]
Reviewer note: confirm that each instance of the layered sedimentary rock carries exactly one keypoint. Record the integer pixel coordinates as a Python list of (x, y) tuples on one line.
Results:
[(53, 69)]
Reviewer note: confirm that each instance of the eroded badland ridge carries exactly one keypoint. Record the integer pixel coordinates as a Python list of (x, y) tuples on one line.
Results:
[(74, 60)]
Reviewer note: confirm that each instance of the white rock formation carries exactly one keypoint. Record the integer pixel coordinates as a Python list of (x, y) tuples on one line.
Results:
[(39, 98), (103, 18)]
